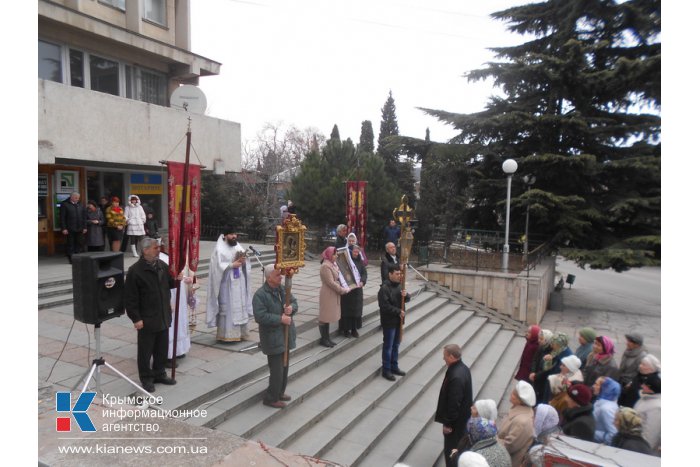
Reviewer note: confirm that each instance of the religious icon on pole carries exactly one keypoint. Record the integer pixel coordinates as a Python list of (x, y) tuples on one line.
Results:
[(289, 248)]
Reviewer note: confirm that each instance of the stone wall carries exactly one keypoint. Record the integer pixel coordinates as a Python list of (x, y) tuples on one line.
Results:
[(521, 296)]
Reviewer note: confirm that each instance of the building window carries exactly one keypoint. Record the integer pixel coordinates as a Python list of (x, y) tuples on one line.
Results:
[(119, 4), (145, 85), (77, 71), (50, 64), (104, 75), (154, 10)]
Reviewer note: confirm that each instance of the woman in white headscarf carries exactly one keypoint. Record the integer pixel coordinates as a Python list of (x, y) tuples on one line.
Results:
[(517, 429), (546, 424)]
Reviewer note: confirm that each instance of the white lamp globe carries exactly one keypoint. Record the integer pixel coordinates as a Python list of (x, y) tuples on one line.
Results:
[(509, 166)]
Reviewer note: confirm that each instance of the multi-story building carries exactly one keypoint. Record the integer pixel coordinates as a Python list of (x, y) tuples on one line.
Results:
[(107, 69)]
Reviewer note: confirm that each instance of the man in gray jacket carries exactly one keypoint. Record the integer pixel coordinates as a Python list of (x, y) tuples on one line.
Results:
[(272, 315)]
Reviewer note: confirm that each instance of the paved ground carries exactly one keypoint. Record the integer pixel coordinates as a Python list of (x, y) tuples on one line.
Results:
[(610, 302)]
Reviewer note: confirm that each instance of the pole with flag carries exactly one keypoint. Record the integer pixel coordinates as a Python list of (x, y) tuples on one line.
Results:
[(183, 224)]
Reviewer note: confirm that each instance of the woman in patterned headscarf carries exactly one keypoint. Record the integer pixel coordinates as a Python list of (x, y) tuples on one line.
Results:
[(551, 366), (629, 431), (600, 361), (482, 436)]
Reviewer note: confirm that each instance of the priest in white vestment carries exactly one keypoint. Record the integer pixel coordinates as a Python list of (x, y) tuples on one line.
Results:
[(183, 321), (229, 292)]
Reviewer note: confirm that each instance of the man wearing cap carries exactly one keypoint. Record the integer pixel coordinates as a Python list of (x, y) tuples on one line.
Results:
[(517, 430), (629, 366), (455, 400), (229, 292), (578, 417)]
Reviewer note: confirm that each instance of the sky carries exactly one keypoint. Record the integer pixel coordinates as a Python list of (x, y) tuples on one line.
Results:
[(316, 63)]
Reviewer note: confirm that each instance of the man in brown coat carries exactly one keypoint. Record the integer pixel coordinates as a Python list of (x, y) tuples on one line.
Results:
[(517, 430)]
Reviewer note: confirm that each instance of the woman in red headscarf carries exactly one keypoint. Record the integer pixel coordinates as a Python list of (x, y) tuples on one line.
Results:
[(531, 345), (600, 361), (333, 285)]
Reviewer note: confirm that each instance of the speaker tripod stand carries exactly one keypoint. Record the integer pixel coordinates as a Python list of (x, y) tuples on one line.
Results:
[(95, 369)]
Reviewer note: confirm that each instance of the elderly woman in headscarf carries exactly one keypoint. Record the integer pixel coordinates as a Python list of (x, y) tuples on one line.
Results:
[(600, 361), (629, 432), (351, 303), (531, 344), (586, 336), (483, 408), (559, 383), (545, 346), (352, 241), (333, 285), (546, 425), (649, 408), (552, 364), (647, 366), (517, 429), (605, 408), (482, 433)]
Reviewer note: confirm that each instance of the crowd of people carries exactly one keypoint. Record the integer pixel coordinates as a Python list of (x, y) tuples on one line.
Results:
[(105, 226), (583, 392)]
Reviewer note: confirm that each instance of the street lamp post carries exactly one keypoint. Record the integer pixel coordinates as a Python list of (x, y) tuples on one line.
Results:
[(529, 181), (509, 167)]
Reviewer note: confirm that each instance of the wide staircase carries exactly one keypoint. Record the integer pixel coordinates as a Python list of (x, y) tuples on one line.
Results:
[(342, 410)]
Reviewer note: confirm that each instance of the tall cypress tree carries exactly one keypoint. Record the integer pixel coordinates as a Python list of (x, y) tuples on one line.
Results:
[(389, 149), (366, 137), (580, 111)]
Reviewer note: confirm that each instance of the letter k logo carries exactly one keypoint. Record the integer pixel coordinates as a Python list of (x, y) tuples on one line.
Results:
[(79, 411)]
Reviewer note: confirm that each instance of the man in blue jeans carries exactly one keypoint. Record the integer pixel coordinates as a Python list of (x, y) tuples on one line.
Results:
[(391, 315)]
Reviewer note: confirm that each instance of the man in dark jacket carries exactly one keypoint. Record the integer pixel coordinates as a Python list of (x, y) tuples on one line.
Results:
[(578, 418), (390, 316), (73, 224), (272, 315), (455, 400), (147, 302), (390, 257)]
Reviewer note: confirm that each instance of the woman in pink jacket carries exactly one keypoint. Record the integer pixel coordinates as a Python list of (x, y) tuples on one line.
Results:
[(333, 285)]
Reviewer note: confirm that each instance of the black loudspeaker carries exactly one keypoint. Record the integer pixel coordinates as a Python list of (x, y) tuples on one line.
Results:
[(98, 286)]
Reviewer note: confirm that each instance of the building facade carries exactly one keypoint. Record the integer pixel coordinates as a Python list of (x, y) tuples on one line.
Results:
[(106, 71)]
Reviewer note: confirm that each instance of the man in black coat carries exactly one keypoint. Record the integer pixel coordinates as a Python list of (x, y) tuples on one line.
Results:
[(390, 316), (455, 400), (73, 224), (147, 302), (390, 257)]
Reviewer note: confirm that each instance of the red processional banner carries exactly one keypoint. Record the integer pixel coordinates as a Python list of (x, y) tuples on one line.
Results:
[(356, 209), (176, 176)]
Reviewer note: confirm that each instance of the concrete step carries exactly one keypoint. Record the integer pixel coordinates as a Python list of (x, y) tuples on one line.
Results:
[(348, 419), (349, 387), (490, 380), (399, 430), (318, 368)]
